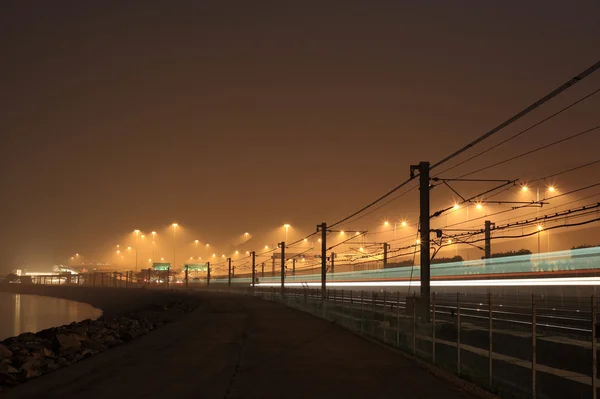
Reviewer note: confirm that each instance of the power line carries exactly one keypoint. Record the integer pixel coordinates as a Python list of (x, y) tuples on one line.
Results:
[(519, 133), (531, 151), (524, 112)]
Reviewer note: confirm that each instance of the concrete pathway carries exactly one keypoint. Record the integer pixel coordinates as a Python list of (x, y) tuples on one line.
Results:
[(242, 347)]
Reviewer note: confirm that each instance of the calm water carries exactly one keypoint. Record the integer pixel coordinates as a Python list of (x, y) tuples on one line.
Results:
[(23, 313)]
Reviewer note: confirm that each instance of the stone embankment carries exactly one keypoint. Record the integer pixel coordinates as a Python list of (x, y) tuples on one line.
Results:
[(30, 355)]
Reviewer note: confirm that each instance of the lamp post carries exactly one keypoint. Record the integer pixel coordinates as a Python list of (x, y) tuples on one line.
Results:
[(137, 234), (174, 242), (153, 244), (287, 227)]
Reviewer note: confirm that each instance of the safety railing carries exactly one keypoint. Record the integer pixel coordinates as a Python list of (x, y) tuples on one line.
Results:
[(512, 346)]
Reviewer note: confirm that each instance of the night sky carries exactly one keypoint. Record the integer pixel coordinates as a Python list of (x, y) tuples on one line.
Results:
[(240, 116)]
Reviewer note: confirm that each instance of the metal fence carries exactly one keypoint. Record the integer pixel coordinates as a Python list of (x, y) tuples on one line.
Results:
[(512, 346)]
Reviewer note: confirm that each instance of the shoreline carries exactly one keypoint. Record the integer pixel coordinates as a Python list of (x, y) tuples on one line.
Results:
[(85, 311), (114, 302), (127, 315)]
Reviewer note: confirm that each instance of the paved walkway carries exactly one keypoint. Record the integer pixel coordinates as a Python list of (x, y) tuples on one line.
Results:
[(242, 347)]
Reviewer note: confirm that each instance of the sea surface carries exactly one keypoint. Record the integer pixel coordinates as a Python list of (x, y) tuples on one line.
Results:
[(32, 313)]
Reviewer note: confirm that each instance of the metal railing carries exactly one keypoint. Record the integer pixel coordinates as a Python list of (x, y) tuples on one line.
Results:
[(507, 345)]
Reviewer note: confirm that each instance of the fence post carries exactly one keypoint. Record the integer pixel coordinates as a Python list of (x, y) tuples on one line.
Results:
[(458, 333), (398, 319), (490, 328), (433, 328), (373, 312), (594, 348), (362, 299), (414, 325), (383, 316), (533, 347)]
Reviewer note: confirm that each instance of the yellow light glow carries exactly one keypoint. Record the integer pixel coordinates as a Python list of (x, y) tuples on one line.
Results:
[(129, 248), (149, 260), (319, 240), (207, 245), (236, 252), (191, 257), (551, 188), (162, 258), (136, 231), (266, 247), (524, 188), (175, 225), (287, 226), (342, 232), (449, 241), (222, 256), (455, 207), (539, 227), (214, 255), (478, 206), (196, 241), (361, 249), (117, 252), (418, 241), (154, 233), (247, 252), (305, 240), (386, 223), (403, 224), (143, 236), (357, 233)]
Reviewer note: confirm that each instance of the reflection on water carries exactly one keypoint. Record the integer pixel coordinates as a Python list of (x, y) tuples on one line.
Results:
[(23, 313)]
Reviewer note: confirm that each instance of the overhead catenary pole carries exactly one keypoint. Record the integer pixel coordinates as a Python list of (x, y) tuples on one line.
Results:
[(423, 168), (294, 267), (323, 228), (488, 238), (385, 254), (253, 257), (207, 274), (332, 262), (229, 272), (186, 275), (282, 246)]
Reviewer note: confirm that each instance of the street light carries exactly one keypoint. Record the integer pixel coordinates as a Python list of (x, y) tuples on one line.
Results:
[(246, 236), (287, 227), (174, 242), (153, 243)]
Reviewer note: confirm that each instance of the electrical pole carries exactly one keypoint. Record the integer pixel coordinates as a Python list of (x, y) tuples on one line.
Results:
[(186, 275), (385, 249), (423, 168), (273, 265), (253, 256), (229, 272), (233, 272), (262, 272), (282, 246), (294, 267), (332, 263), (323, 229), (488, 237), (207, 274)]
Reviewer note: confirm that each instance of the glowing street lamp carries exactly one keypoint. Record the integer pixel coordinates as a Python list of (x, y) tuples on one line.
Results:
[(403, 223), (287, 227), (174, 242), (246, 236), (153, 243)]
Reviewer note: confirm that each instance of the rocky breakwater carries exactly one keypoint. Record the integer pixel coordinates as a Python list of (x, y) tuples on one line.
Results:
[(30, 355)]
